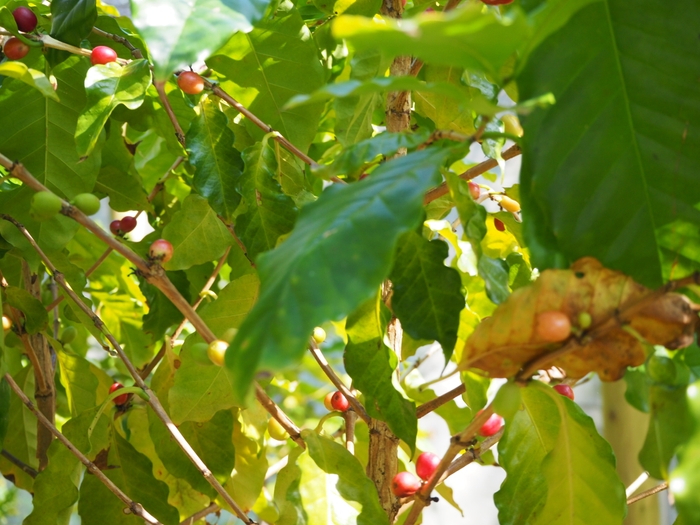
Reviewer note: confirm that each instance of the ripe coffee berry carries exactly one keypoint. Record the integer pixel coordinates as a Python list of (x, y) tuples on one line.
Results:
[(161, 250), (336, 401), (103, 55), (498, 224), (128, 224), (25, 19), (405, 484), (190, 82), (553, 326), (426, 464), (565, 390), (119, 400), (15, 49), (492, 426), (115, 227), (474, 190)]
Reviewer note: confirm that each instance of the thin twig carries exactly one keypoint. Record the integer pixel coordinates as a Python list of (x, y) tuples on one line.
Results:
[(636, 484), (136, 53), (634, 499), (134, 507), (323, 363), (160, 88), (19, 463), (201, 514), (471, 173), (436, 403), (350, 418)]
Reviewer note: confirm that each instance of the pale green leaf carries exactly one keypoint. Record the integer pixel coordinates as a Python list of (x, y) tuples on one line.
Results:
[(31, 77)]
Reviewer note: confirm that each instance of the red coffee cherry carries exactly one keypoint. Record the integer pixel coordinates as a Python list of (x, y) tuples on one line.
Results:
[(25, 19), (426, 464), (565, 390), (15, 49), (405, 484), (119, 400), (190, 82), (103, 55), (492, 426)]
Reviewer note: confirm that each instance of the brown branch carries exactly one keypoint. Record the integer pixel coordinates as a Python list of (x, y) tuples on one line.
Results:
[(134, 507), (283, 419), (160, 88), (19, 463), (330, 373), (471, 173), (259, 123), (136, 53), (634, 499), (436, 403), (350, 418), (153, 400), (201, 514)]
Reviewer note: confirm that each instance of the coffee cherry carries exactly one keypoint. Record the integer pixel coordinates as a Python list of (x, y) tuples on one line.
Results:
[(585, 320), (68, 335), (128, 224), (553, 326), (512, 125), (276, 430), (115, 227), (509, 204), (319, 335), (492, 426), (661, 369), (327, 401), (87, 203), (340, 402), (498, 224), (161, 250), (45, 205), (103, 55), (426, 464), (6, 323), (15, 49), (405, 484), (565, 390), (119, 400), (190, 82), (217, 352), (25, 19), (507, 401), (474, 190)]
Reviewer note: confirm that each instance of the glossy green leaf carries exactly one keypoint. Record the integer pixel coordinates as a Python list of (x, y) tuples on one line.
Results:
[(427, 296), (197, 235), (371, 365), (638, 389), (670, 425), (476, 38), (334, 488), (265, 68), (217, 164), (181, 32), (35, 316), (31, 77), (71, 22), (496, 276), (353, 227), (108, 86), (162, 313), (202, 389), (353, 159), (559, 469), (270, 213), (638, 191)]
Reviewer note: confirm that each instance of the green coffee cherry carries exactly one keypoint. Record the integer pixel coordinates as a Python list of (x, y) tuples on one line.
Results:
[(661, 369), (68, 335), (87, 203), (45, 205), (507, 400), (584, 320)]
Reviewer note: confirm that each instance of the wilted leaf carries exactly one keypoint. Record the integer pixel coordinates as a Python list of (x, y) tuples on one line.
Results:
[(503, 343)]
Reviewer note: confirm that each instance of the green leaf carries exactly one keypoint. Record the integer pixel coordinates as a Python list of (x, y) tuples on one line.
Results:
[(71, 22), (371, 365), (202, 389), (249, 476), (638, 191), (353, 159), (685, 478), (217, 164), (196, 234), (496, 276), (442, 108), (35, 316), (476, 39), (427, 295), (264, 85), (31, 77), (162, 313), (181, 32), (271, 213), (669, 427), (84, 383), (638, 390), (338, 233), (334, 488), (559, 469), (108, 86), (4, 405)]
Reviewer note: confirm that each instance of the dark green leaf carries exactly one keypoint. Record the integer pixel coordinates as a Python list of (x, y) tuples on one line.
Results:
[(162, 313), (371, 364), (108, 86), (180, 32), (634, 199), (71, 22), (270, 213), (638, 389), (264, 86), (303, 279), (217, 164), (495, 275), (427, 295)]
